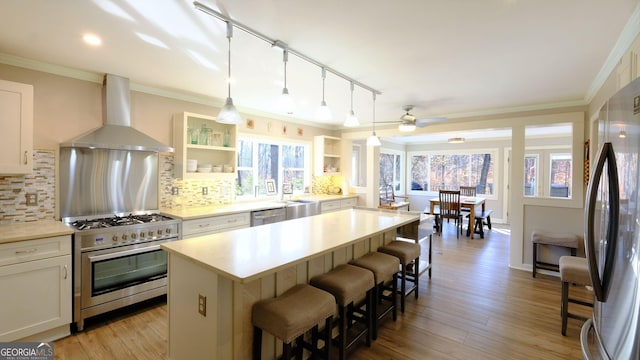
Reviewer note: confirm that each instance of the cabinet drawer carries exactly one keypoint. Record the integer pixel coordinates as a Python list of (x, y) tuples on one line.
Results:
[(329, 205), (215, 224), (348, 203), (28, 250)]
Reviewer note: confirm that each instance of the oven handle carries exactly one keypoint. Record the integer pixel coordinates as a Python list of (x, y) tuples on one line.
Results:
[(118, 254)]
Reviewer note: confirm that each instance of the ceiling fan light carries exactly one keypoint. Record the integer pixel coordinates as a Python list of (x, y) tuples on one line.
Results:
[(622, 134), (456, 140), (229, 114), (351, 120), (373, 140), (407, 126), (323, 113)]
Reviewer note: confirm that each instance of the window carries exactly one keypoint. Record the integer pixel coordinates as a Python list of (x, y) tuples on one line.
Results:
[(259, 160), (433, 171), (391, 170), (547, 173)]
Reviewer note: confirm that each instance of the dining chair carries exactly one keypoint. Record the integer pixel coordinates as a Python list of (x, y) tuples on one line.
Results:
[(450, 209), (467, 191)]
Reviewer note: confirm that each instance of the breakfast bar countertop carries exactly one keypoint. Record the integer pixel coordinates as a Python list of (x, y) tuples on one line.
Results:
[(247, 254)]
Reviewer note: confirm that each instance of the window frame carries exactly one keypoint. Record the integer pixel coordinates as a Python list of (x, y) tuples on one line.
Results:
[(495, 153), (401, 180), (543, 185), (308, 165)]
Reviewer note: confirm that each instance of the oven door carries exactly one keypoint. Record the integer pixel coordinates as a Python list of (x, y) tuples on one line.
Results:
[(116, 273)]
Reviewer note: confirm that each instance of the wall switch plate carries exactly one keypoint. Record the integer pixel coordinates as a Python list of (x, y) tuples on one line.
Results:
[(205, 190), (32, 199), (175, 190), (202, 305)]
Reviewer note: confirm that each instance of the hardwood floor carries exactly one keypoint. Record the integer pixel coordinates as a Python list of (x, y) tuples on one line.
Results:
[(473, 307)]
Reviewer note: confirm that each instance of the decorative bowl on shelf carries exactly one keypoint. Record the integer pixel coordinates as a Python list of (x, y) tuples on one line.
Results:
[(204, 168), (217, 168)]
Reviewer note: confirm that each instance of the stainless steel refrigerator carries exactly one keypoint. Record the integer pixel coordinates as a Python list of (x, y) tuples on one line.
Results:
[(612, 232)]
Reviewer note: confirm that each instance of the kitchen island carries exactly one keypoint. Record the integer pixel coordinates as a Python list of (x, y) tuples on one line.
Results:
[(214, 280)]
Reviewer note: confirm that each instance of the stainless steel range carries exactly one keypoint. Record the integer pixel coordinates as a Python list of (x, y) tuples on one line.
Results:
[(104, 176), (118, 261)]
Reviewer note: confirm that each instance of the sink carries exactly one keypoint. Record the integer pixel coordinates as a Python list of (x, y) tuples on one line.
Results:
[(301, 208)]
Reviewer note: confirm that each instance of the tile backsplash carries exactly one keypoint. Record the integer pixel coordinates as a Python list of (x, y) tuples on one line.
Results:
[(14, 190)]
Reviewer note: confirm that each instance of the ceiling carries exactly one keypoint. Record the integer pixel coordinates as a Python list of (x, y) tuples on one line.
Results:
[(448, 58)]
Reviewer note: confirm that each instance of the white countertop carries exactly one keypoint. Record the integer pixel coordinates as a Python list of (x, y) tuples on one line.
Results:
[(32, 230), (247, 254), (191, 212)]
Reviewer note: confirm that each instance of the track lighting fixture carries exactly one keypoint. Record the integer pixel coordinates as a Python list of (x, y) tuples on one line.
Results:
[(229, 114), (285, 102), (373, 140), (323, 113), (351, 120)]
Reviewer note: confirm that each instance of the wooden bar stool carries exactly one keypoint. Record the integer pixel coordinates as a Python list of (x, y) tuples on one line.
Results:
[(385, 271), (556, 239), (409, 255), (290, 315), (573, 270), (348, 284)]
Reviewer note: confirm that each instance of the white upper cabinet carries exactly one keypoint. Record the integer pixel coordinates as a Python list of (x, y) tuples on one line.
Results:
[(205, 142), (327, 159), (16, 122)]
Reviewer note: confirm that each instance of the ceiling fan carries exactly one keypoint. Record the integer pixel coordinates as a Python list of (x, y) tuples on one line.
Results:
[(409, 122)]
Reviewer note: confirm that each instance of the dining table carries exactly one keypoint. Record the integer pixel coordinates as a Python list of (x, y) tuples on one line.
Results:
[(468, 202)]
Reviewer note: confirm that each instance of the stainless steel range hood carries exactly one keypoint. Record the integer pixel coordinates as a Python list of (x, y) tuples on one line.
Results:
[(117, 133)]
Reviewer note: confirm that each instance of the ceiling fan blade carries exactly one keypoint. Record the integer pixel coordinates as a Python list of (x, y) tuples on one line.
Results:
[(430, 120)]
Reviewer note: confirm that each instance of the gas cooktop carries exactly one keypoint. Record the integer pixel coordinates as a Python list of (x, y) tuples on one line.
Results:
[(107, 222)]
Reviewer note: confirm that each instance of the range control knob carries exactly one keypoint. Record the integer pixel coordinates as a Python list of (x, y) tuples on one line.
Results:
[(150, 233), (124, 237), (141, 234), (159, 231), (168, 231), (133, 236), (115, 238)]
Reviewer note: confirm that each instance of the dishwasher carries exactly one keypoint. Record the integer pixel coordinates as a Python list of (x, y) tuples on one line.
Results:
[(269, 216)]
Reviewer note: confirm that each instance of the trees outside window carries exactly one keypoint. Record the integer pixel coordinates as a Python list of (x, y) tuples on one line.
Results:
[(547, 173), (391, 169), (433, 171), (260, 160)]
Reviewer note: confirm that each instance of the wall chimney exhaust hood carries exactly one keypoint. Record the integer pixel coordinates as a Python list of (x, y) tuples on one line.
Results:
[(117, 133)]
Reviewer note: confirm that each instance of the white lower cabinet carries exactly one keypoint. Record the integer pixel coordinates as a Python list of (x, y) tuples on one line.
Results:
[(333, 205), (35, 278), (215, 224)]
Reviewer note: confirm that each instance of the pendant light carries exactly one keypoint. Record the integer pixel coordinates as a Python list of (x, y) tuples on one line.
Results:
[(285, 102), (323, 113), (351, 120), (229, 114), (373, 140)]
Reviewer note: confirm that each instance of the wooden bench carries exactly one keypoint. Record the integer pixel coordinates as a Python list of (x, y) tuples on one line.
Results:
[(482, 218), (388, 199)]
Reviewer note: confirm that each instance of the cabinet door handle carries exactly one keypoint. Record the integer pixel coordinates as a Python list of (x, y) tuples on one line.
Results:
[(25, 157), (66, 271), (30, 251)]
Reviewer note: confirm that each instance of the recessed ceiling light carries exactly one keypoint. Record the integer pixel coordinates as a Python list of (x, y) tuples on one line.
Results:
[(91, 39)]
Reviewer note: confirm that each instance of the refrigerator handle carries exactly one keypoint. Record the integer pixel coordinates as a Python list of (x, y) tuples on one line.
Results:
[(601, 285)]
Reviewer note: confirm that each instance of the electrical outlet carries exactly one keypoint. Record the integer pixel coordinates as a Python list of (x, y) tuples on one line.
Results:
[(175, 190), (205, 190), (32, 199), (202, 305)]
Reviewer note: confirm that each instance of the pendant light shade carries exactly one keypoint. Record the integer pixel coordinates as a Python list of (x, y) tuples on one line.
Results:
[(351, 120), (407, 126), (229, 114), (323, 113), (373, 140), (285, 102)]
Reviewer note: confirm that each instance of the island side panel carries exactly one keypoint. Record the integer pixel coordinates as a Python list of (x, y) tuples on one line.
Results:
[(186, 325)]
